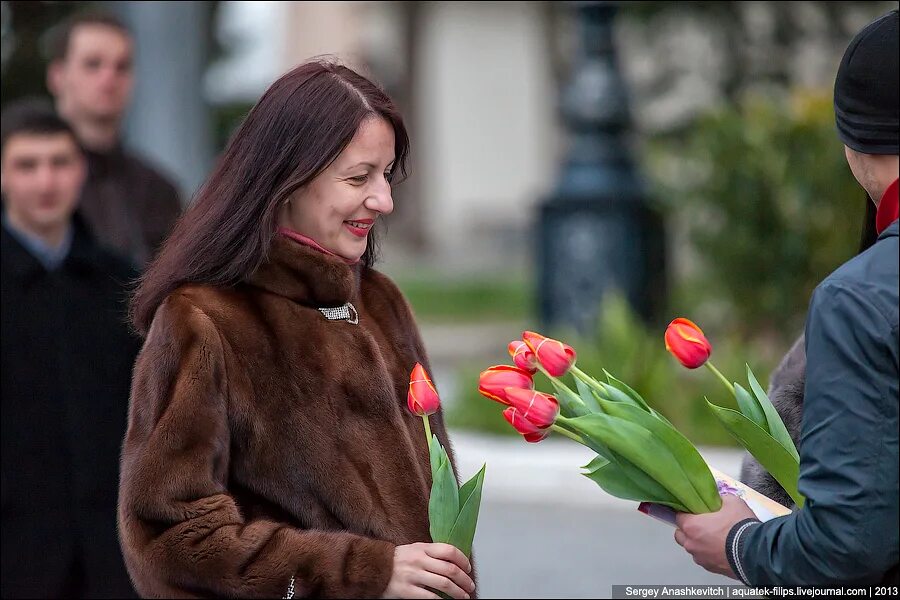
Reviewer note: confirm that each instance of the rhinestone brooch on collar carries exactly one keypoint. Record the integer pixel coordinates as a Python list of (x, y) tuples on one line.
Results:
[(347, 312)]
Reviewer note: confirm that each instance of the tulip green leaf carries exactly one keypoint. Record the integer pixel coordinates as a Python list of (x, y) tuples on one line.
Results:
[(648, 453), (628, 391), (443, 505), (648, 486), (771, 454), (598, 462), (590, 382), (616, 482), (616, 391), (472, 486), (597, 446), (695, 468), (621, 397), (754, 385), (614, 394), (434, 453), (645, 486), (570, 405), (750, 407), (624, 387), (463, 532), (587, 396), (773, 419)]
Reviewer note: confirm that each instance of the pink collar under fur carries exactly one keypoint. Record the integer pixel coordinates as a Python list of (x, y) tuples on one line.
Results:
[(308, 241)]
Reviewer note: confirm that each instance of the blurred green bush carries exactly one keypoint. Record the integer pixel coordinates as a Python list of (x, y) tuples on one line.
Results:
[(635, 354), (770, 207)]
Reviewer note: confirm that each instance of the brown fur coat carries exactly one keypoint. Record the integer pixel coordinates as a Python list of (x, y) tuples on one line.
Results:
[(266, 442)]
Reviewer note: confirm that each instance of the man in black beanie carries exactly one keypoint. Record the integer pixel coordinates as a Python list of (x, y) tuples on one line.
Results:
[(847, 532)]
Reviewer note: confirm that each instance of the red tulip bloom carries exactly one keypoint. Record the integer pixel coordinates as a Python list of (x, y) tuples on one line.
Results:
[(539, 408), (522, 356), (422, 398), (493, 382), (687, 343), (529, 431), (556, 358)]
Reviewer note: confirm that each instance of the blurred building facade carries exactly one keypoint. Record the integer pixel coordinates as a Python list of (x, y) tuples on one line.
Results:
[(476, 87), (478, 83)]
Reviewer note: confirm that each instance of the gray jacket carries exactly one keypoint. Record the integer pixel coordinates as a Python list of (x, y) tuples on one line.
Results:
[(848, 532)]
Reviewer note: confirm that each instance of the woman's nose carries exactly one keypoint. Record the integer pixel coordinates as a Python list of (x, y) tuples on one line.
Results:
[(381, 201)]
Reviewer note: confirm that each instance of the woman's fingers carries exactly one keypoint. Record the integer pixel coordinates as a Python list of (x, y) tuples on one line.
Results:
[(441, 583), (449, 553), (451, 572)]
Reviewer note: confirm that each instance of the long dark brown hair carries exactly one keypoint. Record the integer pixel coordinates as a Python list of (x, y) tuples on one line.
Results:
[(299, 127)]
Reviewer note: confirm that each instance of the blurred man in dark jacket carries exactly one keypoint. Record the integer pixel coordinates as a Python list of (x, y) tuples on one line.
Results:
[(847, 533), (67, 356), (128, 205)]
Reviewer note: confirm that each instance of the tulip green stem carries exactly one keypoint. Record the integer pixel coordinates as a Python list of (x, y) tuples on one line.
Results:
[(588, 380), (568, 434), (581, 375), (721, 377), (427, 429), (544, 371), (572, 395)]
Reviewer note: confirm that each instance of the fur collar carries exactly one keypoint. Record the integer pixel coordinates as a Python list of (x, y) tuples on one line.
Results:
[(305, 275)]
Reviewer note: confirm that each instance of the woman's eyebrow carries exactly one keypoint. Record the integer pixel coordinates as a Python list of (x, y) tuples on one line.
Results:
[(362, 164)]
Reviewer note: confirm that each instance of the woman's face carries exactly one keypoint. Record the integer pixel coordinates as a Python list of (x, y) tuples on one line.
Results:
[(338, 208)]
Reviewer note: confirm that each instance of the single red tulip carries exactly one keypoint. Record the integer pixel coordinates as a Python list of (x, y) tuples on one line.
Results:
[(556, 358), (687, 343), (529, 431), (422, 398), (539, 408), (493, 382), (522, 356)]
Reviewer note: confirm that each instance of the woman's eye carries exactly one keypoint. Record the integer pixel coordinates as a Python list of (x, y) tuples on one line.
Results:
[(359, 179)]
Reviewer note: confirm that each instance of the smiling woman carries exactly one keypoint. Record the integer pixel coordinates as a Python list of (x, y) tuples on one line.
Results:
[(269, 449), (338, 208)]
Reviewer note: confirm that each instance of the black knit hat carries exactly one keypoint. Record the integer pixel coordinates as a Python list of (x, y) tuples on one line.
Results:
[(867, 89)]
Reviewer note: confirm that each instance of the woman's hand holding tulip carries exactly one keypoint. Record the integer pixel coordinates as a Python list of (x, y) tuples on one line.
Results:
[(421, 568)]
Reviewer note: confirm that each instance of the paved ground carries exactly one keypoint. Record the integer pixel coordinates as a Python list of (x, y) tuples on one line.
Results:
[(547, 532)]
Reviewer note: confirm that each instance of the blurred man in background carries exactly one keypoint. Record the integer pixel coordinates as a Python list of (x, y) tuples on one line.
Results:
[(129, 206), (67, 356)]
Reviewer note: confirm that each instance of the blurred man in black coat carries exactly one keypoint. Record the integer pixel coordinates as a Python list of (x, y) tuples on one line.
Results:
[(67, 356)]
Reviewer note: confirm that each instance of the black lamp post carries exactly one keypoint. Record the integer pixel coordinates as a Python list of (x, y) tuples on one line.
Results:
[(596, 231)]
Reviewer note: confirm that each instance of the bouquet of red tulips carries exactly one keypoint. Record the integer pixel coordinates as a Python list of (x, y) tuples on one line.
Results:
[(452, 510), (640, 455)]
